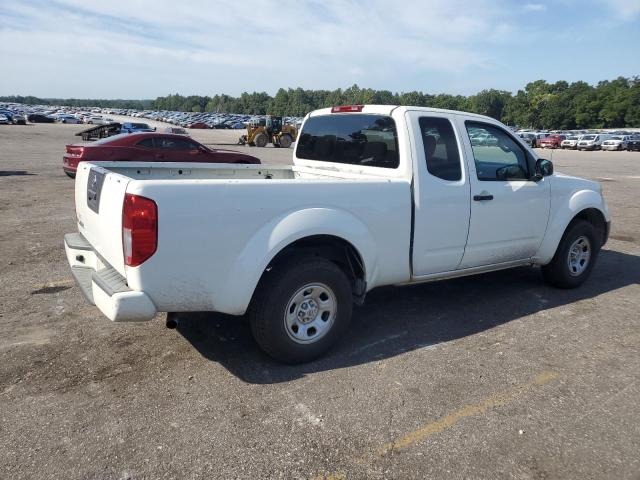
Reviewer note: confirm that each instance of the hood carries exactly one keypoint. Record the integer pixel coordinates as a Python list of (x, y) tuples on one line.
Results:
[(563, 182)]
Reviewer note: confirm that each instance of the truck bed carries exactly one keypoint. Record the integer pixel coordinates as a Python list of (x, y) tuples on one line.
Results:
[(233, 219)]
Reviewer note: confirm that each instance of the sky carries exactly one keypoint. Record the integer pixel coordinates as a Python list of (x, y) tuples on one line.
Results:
[(147, 48)]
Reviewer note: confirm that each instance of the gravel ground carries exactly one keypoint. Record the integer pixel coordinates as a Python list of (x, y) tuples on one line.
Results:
[(497, 376)]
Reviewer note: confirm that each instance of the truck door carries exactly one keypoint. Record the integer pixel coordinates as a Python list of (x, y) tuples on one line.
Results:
[(509, 211), (441, 194)]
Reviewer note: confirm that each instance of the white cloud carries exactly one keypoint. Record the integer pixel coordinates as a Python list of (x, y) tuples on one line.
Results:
[(625, 10), (535, 7), (80, 48)]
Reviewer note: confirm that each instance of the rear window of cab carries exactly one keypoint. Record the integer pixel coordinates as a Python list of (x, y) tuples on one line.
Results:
[(355, 139)]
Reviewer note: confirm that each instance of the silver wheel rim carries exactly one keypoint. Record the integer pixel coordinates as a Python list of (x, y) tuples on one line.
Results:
[(579, 256), (310, 313)]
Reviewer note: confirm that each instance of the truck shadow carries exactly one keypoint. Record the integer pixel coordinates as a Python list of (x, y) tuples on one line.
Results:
[(396, 320), (14, 173)]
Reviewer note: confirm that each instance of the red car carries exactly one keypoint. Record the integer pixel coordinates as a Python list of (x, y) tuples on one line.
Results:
[(552, 141), (148, 147), (198, 125)]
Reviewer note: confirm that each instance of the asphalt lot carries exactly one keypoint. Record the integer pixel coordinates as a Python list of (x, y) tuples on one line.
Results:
[(497, 376)]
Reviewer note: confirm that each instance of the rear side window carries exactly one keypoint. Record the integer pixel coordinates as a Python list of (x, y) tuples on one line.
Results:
[(176, 144), (147, 143), (440, 148), (355, 139)]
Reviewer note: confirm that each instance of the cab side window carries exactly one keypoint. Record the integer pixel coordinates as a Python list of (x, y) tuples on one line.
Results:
[(497, 156), (440, 148)]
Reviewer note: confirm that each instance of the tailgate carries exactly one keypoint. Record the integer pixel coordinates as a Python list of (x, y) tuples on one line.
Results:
[(99, 197)]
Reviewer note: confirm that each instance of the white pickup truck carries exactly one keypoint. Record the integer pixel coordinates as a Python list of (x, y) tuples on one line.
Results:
[(377, 195)]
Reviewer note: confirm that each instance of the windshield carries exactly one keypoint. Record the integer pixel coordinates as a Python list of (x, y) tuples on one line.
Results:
[(573, 137), (589, 137)]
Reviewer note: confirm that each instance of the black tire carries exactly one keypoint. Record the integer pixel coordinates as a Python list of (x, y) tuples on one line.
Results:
[(558, 272), (286, 140), (276, 294), (70, 175), (260, 140)]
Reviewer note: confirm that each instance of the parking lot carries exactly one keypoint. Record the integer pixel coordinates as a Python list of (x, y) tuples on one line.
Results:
[(496, 376)]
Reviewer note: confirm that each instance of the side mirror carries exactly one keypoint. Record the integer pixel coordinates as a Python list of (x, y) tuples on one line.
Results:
[(544, 168)]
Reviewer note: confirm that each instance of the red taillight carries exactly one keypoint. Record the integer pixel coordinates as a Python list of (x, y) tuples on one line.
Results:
[(139, 229), (347, 108)]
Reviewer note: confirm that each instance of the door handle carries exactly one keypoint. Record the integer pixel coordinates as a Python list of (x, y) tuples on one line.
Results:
[(483, 197)]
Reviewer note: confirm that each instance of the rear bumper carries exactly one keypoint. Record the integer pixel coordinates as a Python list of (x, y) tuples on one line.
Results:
[(103, 286), (69, 164)]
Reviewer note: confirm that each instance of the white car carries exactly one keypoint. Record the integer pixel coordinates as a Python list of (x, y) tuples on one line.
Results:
[(4, 120), (95, 120), (617, 142), (377, 195), (591, 141), (571, 142), (68, 119)]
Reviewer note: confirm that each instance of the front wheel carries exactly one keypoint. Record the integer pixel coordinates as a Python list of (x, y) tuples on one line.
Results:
[(261, 140), (286, 140), (301, 309), (575, 257)]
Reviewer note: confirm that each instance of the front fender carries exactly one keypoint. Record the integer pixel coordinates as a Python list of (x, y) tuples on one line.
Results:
[(563, 210), (282, 231)]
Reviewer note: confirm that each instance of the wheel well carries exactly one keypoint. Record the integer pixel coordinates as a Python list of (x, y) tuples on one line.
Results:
[(595, 218), (335, 249)]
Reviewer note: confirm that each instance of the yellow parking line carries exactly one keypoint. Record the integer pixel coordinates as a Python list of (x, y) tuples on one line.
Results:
[(65, 282), (438, 426), (447, 421)]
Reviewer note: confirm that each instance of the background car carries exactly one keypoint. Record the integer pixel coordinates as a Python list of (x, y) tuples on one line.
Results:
[(40, 118), (148, 147), (68, 119), (570, 142), (136, 127), (591, 141), (198, 125), (528, 137), (617, 142), (19, 119), (552, 141), (634, 144), (176, 131), (4, 120)]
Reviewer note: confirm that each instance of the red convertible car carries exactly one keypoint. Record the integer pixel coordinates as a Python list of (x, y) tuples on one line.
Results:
[(148, 147)]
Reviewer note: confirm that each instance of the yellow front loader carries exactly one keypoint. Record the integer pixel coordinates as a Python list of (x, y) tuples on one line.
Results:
[(269, 130)]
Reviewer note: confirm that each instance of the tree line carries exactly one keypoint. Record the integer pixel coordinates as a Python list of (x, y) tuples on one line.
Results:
[(559, 105)]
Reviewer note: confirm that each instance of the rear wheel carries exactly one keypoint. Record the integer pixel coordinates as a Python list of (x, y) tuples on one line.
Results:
[(301, 309), (575, 257), (286, 140), (260, 140)]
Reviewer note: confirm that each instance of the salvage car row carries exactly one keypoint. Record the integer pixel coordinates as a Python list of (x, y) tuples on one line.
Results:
[(98, 116), (606, 140)]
